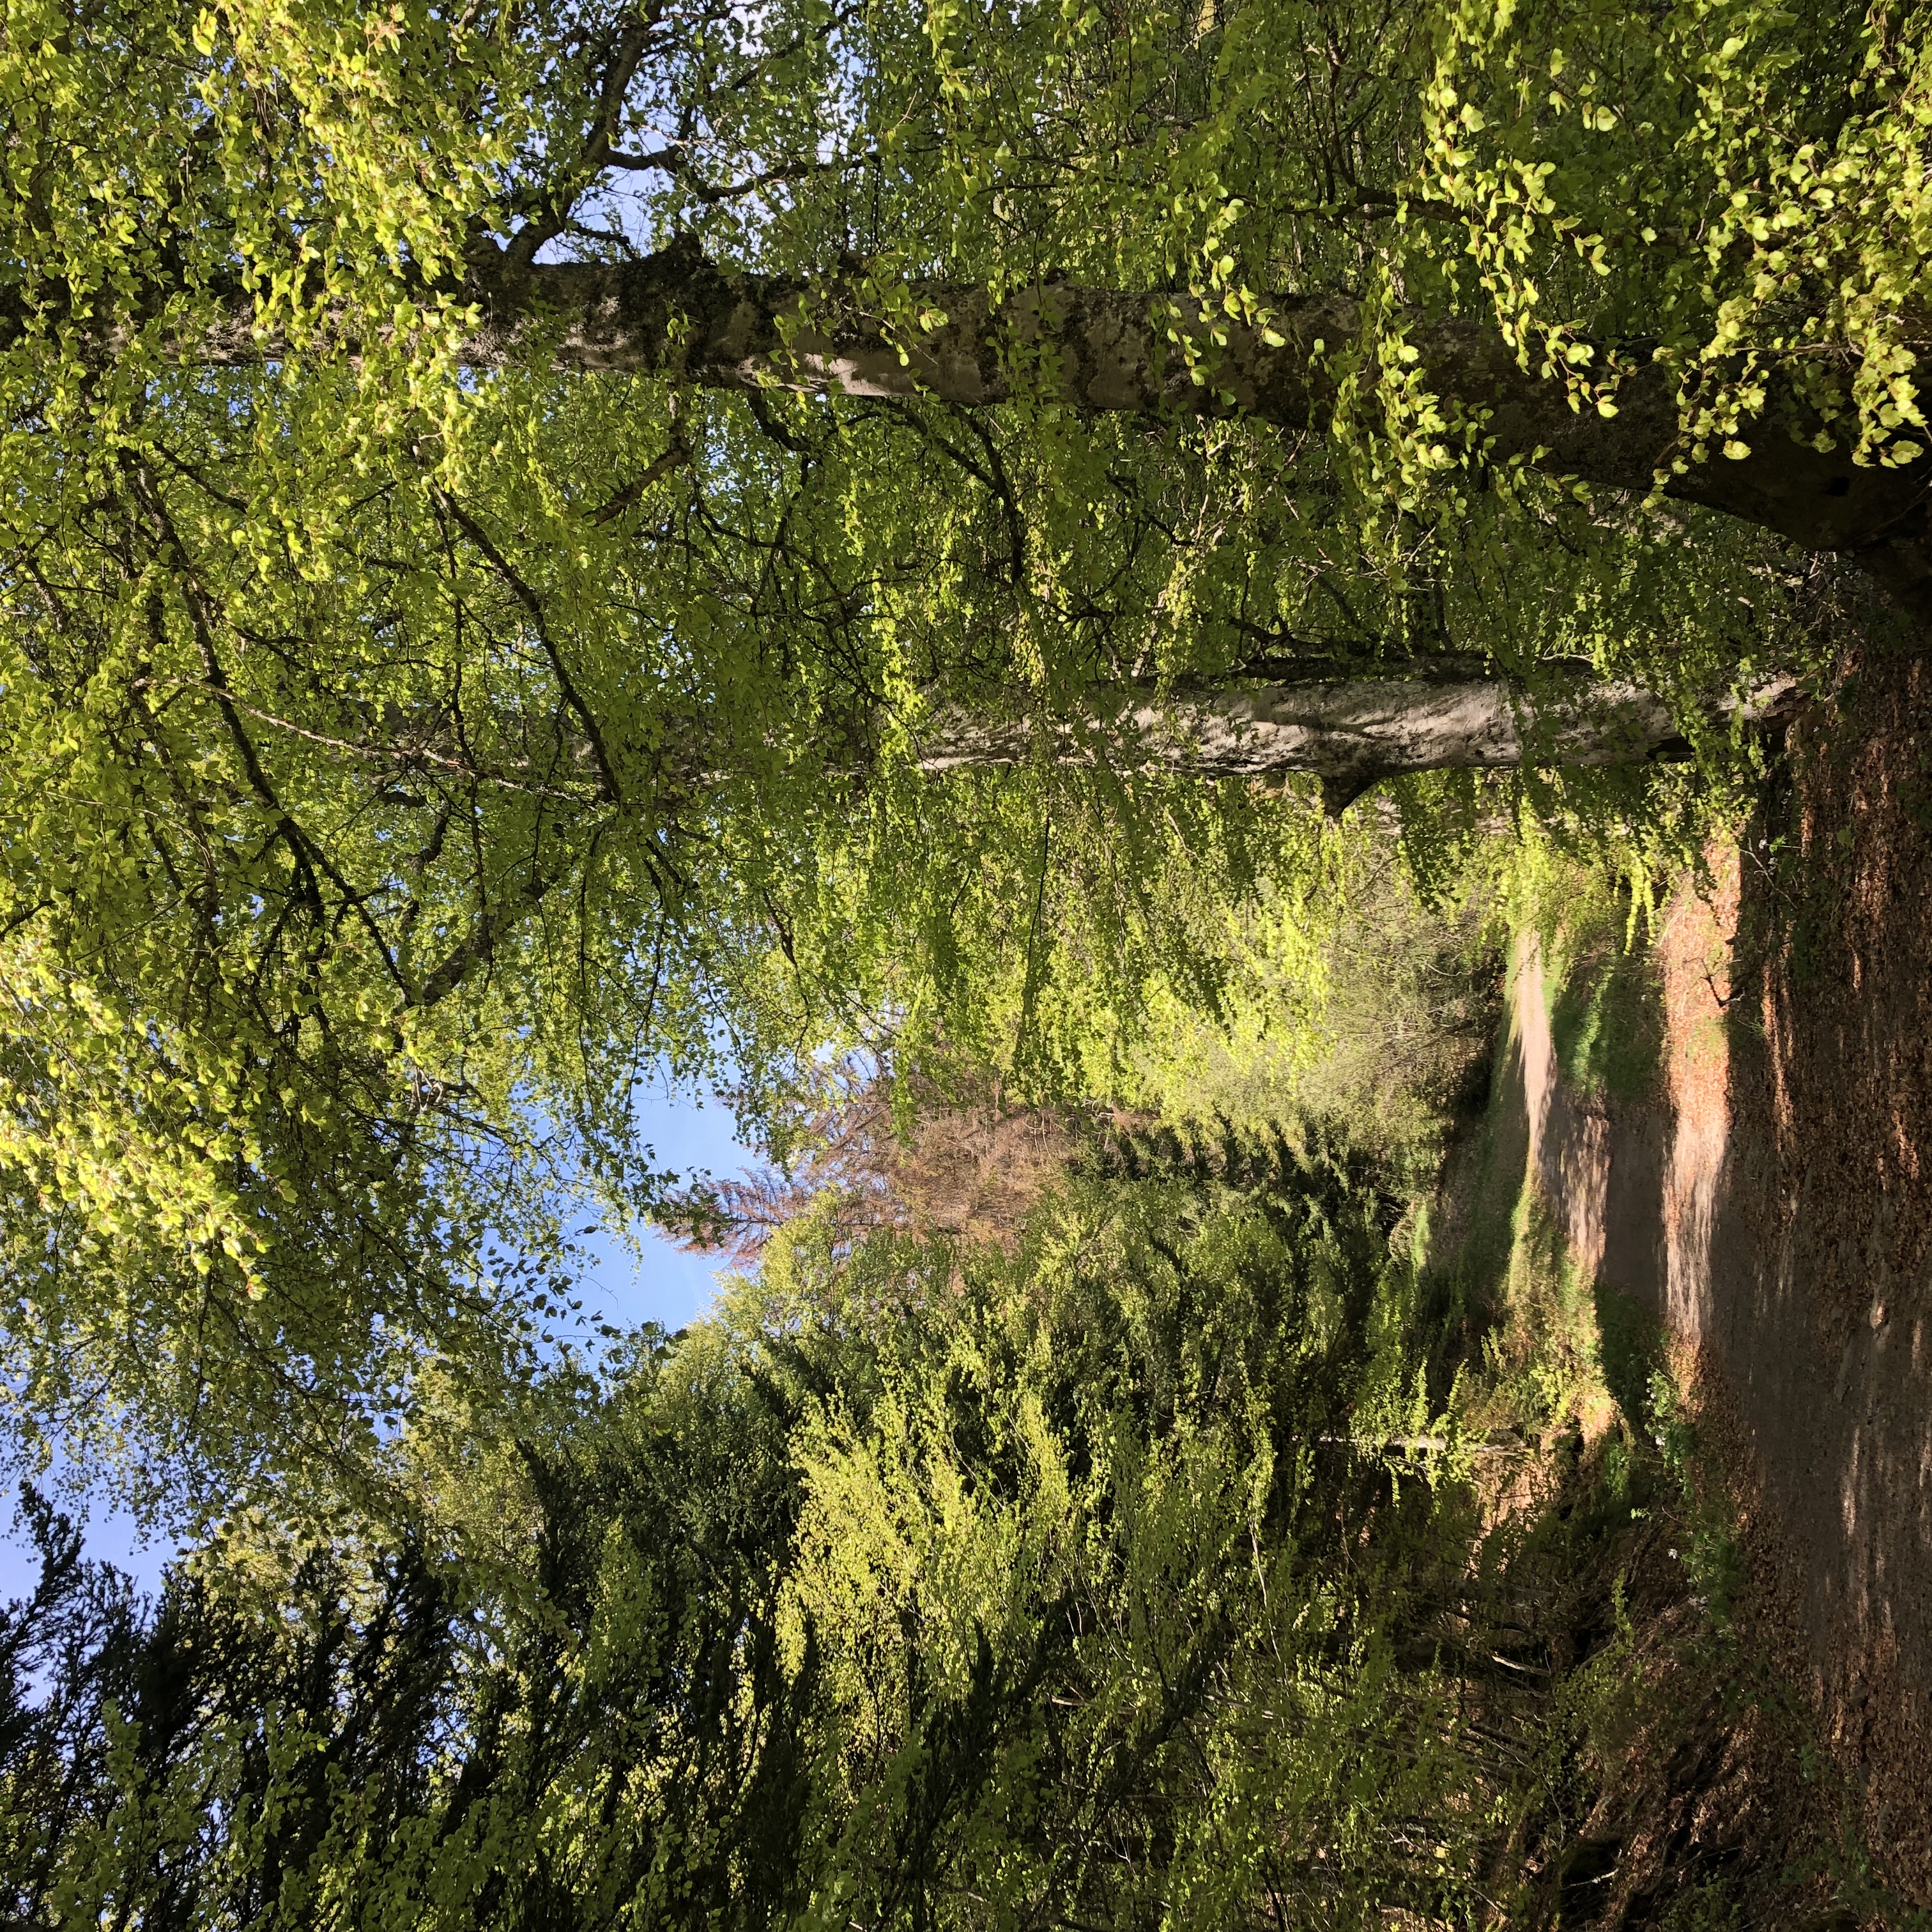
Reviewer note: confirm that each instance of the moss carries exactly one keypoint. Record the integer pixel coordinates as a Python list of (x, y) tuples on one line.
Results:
[(1606, 1024)]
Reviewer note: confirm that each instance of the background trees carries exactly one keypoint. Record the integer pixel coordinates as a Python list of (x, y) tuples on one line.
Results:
[(926, 1584), (548, 544)]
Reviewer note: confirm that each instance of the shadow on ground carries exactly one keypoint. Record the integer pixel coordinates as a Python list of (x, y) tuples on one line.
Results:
[(1771, 1205)]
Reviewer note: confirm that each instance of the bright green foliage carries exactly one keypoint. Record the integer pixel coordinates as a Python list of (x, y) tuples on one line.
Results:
[(400, 760), (1735, 185), (215, 1197), (1103, 1601), (926, 1586), (351, 896), (1384, 1016)]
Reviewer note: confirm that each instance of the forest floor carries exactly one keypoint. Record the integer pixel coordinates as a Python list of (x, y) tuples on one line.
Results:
[(1759, 1180)]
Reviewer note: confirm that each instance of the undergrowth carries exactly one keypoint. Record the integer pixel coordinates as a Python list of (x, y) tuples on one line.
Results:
[(1673, 1778), (1388, 1024)]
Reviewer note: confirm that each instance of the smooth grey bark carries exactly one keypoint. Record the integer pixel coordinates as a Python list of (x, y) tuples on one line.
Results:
[(1099, 349), (1348, 732), (678, 314)]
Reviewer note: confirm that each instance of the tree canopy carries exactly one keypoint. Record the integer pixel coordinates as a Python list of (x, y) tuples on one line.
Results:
[(926, 1584), (504, 506)]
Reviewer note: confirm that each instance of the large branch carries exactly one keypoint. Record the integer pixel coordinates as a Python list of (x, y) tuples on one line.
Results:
[(1348, 732), (677, 314)]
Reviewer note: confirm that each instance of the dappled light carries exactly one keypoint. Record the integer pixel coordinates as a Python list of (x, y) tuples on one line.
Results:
[(963, 967)]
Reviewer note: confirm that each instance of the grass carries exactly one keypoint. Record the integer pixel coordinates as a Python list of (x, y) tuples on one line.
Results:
[(1604, 1024), (1679, 1783), (1676, 1779), (1606, 1013)]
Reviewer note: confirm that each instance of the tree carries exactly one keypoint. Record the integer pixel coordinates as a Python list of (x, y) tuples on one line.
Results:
[(1057, 1592), (599, 1727), (676, 314), (429, 696), (1446, 114)]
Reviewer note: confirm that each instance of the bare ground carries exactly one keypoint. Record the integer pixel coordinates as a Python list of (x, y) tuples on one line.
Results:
[(1772, 1205)]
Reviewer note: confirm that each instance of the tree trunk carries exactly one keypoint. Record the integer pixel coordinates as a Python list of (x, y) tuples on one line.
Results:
[(677, 314), (1349, 733)]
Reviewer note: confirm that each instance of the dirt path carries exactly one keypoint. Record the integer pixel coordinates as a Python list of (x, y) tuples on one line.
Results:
[(1773, 1207)]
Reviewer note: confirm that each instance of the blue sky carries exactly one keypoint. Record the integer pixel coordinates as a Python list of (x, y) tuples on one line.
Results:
[(690, 1133)]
